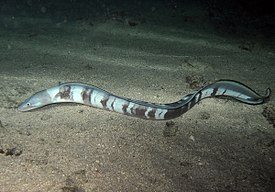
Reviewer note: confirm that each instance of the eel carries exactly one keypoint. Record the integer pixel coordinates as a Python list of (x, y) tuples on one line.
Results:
[(99, 98)]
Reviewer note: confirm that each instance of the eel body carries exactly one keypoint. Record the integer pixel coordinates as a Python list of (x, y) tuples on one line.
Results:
[(99, 98)]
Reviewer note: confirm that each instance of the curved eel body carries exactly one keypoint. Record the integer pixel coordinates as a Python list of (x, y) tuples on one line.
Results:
[(99, 98)]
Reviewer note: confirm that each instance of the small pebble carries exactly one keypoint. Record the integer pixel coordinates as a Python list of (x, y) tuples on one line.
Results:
[(192, 138), (13, 151)]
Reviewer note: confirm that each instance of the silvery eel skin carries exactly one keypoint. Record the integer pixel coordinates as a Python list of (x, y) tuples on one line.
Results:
[(99, 98)]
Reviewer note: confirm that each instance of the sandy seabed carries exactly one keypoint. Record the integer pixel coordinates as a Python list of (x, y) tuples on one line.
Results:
[(219, 145)]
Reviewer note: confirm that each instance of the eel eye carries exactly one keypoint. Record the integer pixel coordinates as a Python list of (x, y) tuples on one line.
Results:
[(28, 104)]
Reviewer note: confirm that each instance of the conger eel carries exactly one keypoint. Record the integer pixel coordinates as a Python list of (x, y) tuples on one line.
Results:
[(99, 98)]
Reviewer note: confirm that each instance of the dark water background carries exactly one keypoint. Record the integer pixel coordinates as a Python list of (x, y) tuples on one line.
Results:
[(235, 17)]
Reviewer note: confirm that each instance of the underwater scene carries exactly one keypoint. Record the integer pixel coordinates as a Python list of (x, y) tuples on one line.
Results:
[(141, 95)]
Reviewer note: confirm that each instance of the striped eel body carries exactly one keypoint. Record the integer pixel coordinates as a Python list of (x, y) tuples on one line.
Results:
[(99, 98)]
